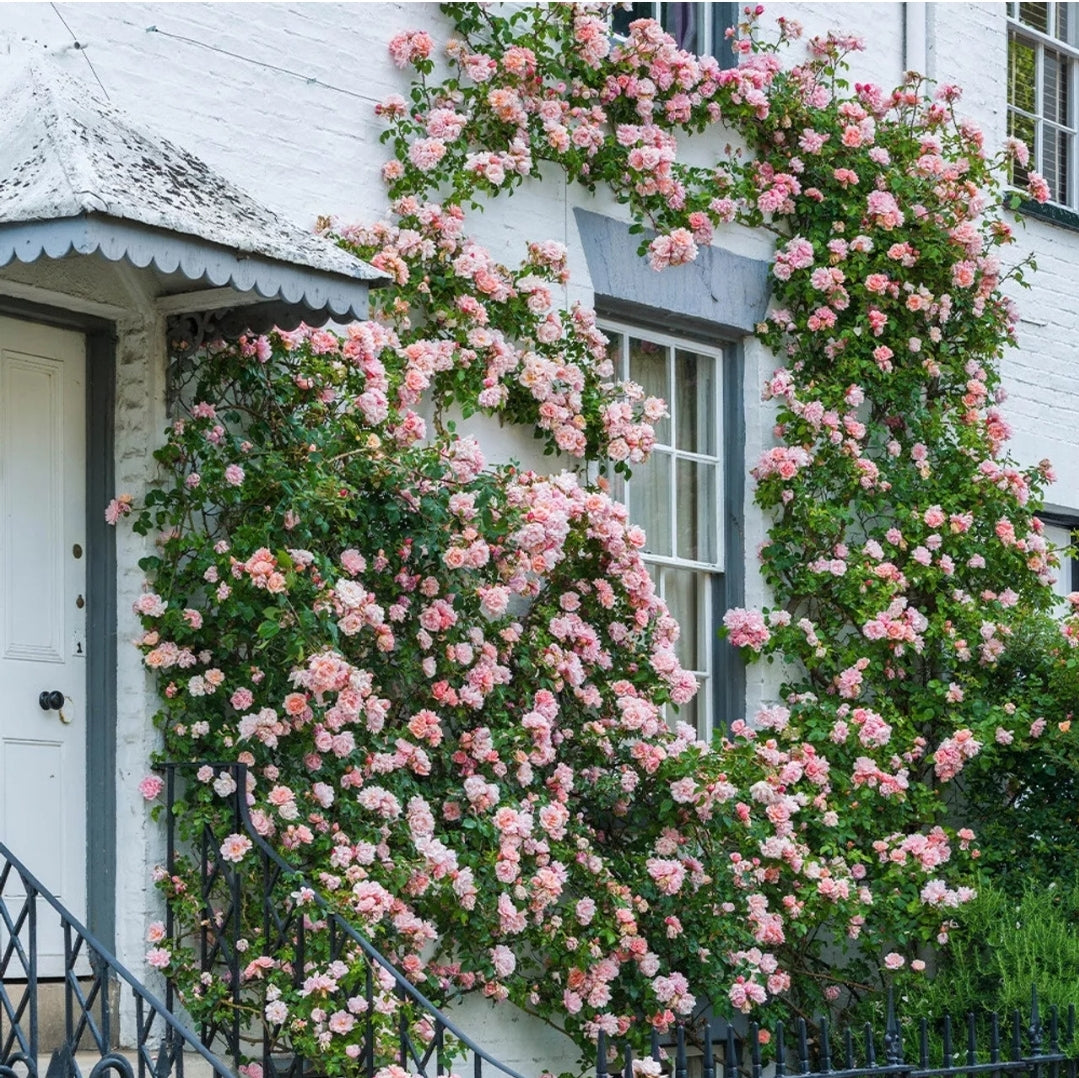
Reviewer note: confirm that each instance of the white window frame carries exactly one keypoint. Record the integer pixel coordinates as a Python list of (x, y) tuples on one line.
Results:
[(708, 573), (1041, 41)]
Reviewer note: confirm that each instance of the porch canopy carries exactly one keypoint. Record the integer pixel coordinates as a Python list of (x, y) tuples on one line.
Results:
[(81, 187)]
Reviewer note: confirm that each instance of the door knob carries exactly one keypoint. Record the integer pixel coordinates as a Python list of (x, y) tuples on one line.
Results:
[(51, 701)]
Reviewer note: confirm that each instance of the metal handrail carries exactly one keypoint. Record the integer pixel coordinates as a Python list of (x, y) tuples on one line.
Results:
[(405, 988), (19, 953)]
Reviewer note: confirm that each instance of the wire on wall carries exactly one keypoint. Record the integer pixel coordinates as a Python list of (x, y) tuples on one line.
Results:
[(81, 47), (309, 79)]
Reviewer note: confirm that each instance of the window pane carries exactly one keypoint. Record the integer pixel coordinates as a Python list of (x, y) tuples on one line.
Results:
[(622, 17), (649, 502), (682, 591), (696, 511), (695, 420), (1064, 21), (1057, 75), (1060, 538), (648, 367), (1022, 128), (1035, 16), (1021, 68), (1050, 163), (1056, 148), (684, 23), (1064, 143)]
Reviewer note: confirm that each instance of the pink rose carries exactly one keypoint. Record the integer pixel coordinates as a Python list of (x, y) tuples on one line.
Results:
[(158, 957), (235, 847), (151, 786)]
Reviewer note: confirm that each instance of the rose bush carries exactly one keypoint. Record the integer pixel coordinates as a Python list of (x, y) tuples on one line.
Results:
[(449, 680)]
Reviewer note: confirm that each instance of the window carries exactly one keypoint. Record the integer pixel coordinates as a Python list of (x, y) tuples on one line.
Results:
[(677, 496), (1061, 533), (697, 28), (1043, 65)]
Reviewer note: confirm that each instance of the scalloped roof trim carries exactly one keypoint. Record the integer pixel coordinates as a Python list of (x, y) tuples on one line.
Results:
[(64, 154)]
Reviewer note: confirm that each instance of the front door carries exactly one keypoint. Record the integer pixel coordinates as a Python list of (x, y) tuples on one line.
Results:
[(42, 614)]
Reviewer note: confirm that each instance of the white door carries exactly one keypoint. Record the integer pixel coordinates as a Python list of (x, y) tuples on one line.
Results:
[(42, 615)]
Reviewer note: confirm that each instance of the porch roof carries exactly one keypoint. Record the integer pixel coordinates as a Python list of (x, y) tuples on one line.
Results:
[(78, 178)]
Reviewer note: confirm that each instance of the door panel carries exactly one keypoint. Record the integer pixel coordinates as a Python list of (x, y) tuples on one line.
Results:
[(42, 611)]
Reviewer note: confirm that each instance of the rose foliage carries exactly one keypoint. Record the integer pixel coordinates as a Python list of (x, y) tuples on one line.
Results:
[(449, 680)]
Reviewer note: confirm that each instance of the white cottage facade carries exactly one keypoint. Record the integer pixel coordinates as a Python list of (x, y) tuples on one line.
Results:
[(102, 260)]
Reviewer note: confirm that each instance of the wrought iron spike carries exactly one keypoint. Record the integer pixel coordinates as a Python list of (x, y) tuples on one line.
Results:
[(730, 1055), (781, 1051), (893, 1038), (681, 1066)]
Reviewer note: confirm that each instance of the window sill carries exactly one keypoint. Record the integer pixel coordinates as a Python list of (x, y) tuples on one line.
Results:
[(1051, 212)]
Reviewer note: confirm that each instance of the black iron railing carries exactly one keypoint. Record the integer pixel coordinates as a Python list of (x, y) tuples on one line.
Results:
[(233, 902), (1024, 1046), (96, 990)]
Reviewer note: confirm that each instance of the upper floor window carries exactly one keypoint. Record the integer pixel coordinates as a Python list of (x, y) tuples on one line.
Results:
[(697, 28), (1043, 65), (677, 496)]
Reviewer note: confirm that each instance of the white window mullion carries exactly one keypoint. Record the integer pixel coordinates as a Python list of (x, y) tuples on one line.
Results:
[(1039, 107), (672, 486)]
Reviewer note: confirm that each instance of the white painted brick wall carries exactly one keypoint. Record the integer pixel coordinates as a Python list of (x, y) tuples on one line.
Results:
[(305, 141)]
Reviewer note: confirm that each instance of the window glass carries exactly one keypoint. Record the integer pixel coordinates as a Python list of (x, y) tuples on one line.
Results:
[(684, 23), (648, 367), (694, 26), (1060, 537), (624, 14), (649, 502), (695, 402), (1036, 16), (1021, 74)]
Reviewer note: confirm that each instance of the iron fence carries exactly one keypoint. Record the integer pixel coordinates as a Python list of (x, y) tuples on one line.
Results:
[(96, 988)]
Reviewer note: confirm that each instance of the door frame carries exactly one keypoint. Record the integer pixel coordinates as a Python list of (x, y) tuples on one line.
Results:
[(100, 404)]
